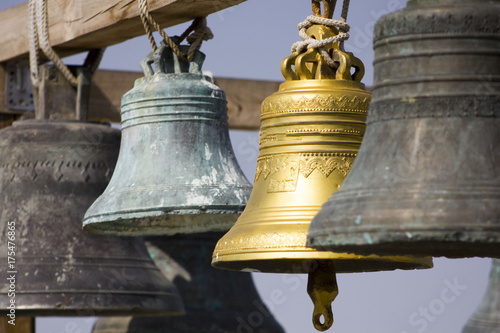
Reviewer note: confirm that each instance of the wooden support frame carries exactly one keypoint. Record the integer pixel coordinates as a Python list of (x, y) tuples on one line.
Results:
[(244, 97), (79, 25), (23, 325)]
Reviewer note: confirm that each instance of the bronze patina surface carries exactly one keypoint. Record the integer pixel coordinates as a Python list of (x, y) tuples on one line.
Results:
[(426, 180), (486, 319), (176, 172), (216, 301), (50, 173)]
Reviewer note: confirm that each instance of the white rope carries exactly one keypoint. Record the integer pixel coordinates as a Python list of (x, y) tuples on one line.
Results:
[(310, 43)]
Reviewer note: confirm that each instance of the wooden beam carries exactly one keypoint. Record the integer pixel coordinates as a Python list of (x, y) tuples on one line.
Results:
[(6, 120), (244, 97), (79, 25), (23, 325)]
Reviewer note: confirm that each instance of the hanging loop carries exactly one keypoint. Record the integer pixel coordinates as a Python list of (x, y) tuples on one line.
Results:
[(322, 289), (329, 7)]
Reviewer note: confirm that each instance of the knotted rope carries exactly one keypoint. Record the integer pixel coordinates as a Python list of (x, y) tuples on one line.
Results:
[(201, 32), (309, 42)]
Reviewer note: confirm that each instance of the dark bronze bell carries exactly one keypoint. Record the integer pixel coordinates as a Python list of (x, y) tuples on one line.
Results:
[(51, 170), (426, 180), (176, 171), (216, 301), (486, 319)]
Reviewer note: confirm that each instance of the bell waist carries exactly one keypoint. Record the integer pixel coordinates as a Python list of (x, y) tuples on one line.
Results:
[(185, 108)]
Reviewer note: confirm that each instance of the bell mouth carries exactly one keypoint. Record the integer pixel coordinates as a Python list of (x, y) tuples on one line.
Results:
[(274, 240), (159, 222), (47, 309), (293, 260)]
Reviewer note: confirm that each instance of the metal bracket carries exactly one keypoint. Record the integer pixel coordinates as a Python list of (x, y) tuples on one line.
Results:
[(18, 95)]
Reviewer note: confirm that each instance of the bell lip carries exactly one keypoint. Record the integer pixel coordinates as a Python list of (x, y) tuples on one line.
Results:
[(45, 122), (429, 244), (293, 260), (177, 309), (157, 222), (79, 312), (433, 223)]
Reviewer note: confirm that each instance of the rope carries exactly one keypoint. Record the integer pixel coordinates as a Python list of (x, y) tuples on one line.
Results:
[(309, 42), (143, 8), (39, 40), (33, 44), (44, 42), (201, 33), (148, 21)]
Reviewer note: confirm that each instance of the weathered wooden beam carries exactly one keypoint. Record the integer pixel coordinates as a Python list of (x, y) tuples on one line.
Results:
[(6, 120), (79, 25), (22, 325), (244, 97)]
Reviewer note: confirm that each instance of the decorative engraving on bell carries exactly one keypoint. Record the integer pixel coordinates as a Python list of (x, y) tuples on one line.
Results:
[(50, 173), (176, 172), (311, 130), (216, 301), (427, 177), (486, 319)]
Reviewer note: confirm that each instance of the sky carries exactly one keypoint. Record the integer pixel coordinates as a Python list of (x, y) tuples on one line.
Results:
[(250, 40)]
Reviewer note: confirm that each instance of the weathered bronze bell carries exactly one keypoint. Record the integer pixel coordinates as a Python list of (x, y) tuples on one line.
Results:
[(486, 319), (311, 130), (176, 171), (427, 177), (51, 170), (216, 301)]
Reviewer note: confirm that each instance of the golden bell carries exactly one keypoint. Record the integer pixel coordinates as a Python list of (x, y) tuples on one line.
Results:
[(311, 130)]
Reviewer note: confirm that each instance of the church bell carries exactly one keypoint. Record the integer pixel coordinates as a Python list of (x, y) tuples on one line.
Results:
[(486, 319), (216, 301), (176, 171), (311, 130), (427, 177), (51, 169)]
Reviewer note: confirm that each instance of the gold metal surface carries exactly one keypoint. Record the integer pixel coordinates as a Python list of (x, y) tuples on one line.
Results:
[(322, 288), (311, 130)]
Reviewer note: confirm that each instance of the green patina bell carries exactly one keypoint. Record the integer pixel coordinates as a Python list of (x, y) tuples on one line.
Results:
[(176, 171)]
